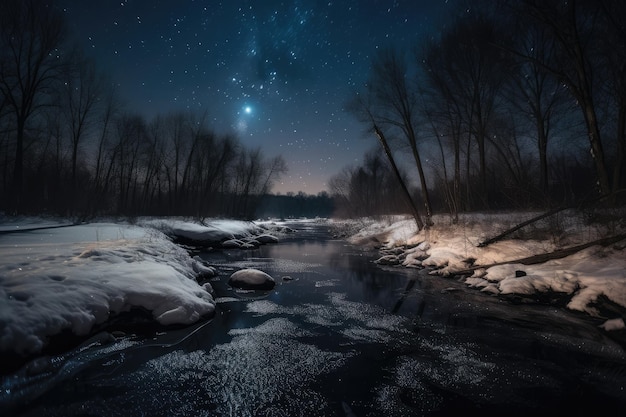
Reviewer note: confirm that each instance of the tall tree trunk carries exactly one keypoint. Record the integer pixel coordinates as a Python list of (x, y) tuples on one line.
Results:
[(597, 151), (383, 141), (420, 172), (542, 144), (18, 169), (621, 146)]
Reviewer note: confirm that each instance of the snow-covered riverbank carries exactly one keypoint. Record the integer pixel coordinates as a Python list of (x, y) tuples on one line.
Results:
[(590, 280), (56, 277)]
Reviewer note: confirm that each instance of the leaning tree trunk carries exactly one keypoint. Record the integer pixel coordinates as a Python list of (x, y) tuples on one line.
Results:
[(383, 141)]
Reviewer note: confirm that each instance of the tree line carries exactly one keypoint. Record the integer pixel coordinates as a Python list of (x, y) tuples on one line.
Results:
[(296, 205), (68, 146), (514, 104)]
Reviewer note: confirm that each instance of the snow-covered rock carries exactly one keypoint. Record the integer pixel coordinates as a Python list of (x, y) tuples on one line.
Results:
[(204, 271), (613, 324), (224, 234), (388, 260), (251, 279), (267, 238)]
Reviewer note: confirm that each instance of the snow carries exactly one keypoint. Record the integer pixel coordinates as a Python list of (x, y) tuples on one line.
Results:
[(445, 249), (76, 277), (214, 232), (613, 324)]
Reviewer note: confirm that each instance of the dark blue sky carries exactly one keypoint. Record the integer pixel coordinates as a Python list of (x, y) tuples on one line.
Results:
[(277, 73)]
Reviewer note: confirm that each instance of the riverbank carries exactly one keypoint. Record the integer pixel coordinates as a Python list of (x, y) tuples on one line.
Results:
[(591, 280), (337, 336), (61, 282)]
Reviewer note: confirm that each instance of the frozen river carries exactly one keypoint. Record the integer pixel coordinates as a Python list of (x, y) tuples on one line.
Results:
[(341, 336)]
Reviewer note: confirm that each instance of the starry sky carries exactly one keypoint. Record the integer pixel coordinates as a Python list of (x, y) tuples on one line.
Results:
[(276, 73)]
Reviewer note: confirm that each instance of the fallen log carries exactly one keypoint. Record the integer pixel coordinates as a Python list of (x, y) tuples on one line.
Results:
[(544, 257), (519, 226), (544, 215)]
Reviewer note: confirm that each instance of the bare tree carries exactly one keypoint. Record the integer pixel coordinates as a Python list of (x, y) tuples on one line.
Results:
[(252, 177), (274, 169), (614, 33), (153, 159), (394, 108), (31, 31), (131, 142), (339, 186), (103, 166), (246, 176), (573, 26), (196, 130), (476, 69), (444, 110), (177, 131), (361, 107), (535, 92), (369, 189), (213, 158), (82, 93), (513, 168), (53, 162)]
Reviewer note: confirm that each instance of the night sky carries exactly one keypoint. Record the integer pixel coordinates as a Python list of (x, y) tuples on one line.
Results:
[(277, 73)]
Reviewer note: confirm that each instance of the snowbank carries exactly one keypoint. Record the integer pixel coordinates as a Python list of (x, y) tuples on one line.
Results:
[(56, 276), (584, 277), (218, 233), (76, 277)]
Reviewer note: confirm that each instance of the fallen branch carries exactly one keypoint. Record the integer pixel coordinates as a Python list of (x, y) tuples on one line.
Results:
[(519, 226), (544, 257), (25, 229), (543, 216)]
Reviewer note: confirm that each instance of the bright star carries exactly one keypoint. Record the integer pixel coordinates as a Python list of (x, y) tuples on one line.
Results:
[(247, 109)]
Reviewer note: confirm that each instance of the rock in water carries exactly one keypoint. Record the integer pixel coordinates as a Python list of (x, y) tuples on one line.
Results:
[(251, 279)]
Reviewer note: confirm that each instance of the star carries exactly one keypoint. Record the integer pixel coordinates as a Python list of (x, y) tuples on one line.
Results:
[(275, 73)]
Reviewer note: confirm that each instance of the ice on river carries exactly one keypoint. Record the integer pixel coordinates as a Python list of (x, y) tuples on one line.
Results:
[(262, 370), (271, 368), (356, 321)]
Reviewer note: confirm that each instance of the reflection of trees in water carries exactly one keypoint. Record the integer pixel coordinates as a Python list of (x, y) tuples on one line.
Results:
[(376, 283), (402, 290), (313, 242)]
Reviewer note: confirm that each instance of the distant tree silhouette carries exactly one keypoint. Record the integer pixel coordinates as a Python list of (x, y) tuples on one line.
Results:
[(444, 110), (252, 176), (31, 33), (475, 73), (82, 91), (613, 59), (369, 189), (103, 164), (573, 27), (535, 93)]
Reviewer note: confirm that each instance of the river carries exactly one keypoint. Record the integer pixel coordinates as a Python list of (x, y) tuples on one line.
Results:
[(342, 336)]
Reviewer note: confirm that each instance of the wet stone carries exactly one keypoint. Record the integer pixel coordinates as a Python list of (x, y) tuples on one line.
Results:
[(251, 279)]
